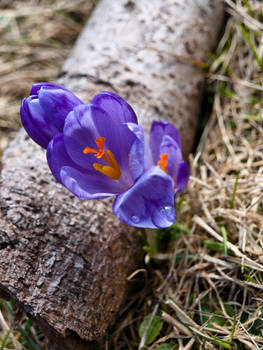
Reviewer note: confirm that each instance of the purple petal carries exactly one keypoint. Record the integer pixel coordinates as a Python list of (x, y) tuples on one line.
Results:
[(57, 156), (87, 122), (56, 103), (158, 131), (39, 116), (36, 87), (170, 147), (89, 185), (115, 106), (136, 154), (80, 132), (44, 112), (33, 120), (81, 183), (149, 202), (182, 176)]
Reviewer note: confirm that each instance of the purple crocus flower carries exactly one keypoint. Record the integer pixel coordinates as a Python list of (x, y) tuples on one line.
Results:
[(159, 172), (43, 113), (103, 152)]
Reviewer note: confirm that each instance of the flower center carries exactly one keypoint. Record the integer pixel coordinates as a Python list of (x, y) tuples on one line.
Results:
[(112, 170), (162, 163)]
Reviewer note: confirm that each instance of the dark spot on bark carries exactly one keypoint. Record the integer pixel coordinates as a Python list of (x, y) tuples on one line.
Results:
[(130, 82), (129, 6), (115, 74), (156, 109), (202, 11), (5, 241), (199, 85), (3, 245), (17, 191), (188, 48), (212, 4)]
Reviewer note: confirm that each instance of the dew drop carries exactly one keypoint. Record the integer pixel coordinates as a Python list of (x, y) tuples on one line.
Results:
[(135, 219), (168, 211)]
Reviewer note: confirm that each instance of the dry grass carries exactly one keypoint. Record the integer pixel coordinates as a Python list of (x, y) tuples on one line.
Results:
[(210, 290), (35, 37), (203, 278)]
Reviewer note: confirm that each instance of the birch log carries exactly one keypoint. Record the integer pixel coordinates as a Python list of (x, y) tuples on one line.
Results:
[(66, 261)]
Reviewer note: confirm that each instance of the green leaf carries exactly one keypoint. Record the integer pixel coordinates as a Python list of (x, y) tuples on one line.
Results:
[(213, 245), (246, 34), (165, 346), (29, 342), (250, 278), (224, 234), (230, 311), (181, 228), (234, 192), (233, 330), (5, 340), (152, 326)]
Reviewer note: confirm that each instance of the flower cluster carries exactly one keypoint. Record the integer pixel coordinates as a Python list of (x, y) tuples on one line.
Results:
[(99, 150)]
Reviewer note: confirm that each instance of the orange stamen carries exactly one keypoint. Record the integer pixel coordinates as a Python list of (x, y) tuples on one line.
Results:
[(162, 163), (100, 144), (113, 170)]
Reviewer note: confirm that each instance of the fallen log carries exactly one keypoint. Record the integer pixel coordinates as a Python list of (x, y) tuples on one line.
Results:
[(66, 261)]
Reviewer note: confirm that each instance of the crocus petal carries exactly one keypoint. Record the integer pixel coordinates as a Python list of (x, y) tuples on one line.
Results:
[(140, 157), (37, 86), (89, 185), (57, 102), (44, 112), (149, 202), (182, 176), (114, 105), (170, 147), (57, 156), (87, 122), (81, 183), (158, 131), (35, 125), (80, 132), (136, 153), (39, 116)]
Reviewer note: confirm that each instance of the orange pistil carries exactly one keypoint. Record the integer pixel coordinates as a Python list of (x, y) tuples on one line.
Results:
[(162, 163), (112, 170), (100, 144)]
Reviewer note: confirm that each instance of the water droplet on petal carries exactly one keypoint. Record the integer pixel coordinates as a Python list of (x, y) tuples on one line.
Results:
[(168, 211), (135, 219), (164, 216)]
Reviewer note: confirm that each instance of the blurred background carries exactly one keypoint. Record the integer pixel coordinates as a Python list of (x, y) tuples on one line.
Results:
[(36, 36)]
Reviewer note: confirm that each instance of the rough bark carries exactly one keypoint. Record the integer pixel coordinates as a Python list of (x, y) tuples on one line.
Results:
[(150, 52), (65, 260)]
